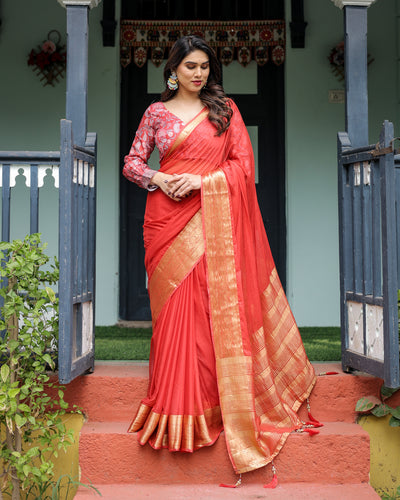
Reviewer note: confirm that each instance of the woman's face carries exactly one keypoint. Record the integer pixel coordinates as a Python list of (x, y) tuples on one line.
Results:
[(193, 72)]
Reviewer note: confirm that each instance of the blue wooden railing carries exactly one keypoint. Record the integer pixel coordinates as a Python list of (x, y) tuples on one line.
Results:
[(74, 169), (369, 199), (33, 165)]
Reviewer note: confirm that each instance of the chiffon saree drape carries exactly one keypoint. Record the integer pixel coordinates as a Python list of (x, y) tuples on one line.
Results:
[(226, 351)]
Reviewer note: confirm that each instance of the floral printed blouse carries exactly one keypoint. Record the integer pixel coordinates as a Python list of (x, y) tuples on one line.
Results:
[(158, 127)]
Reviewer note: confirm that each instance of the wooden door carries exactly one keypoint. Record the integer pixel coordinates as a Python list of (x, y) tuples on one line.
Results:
[(260, 98)]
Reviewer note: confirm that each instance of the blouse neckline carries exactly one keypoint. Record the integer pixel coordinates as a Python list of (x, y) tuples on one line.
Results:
[(180, 119)]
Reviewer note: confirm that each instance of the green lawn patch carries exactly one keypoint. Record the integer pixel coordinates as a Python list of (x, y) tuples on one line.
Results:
[(121, 343), (322, 343)]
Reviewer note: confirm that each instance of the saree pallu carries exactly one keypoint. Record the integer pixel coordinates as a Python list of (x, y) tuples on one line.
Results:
[(226, 351)]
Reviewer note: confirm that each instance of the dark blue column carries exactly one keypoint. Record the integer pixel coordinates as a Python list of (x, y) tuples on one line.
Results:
[(77, 70), (355, 27)]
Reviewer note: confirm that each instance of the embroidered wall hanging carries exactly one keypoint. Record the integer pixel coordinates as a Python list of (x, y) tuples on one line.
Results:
[(241, 40)]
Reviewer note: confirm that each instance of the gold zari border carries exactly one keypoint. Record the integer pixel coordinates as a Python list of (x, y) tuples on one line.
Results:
[(177, 432), (259, 393), (234, 369), (187, 130), (181, 256)]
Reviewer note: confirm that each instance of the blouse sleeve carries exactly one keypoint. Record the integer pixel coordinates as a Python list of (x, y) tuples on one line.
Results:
[(135, 163)]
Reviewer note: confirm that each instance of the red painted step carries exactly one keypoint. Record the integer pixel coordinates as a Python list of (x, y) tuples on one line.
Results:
[(113, 391), (108, 454), (294, 491), (332, 465)]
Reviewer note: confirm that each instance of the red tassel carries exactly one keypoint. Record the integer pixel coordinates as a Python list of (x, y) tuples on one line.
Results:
[(273, 484), (312, 432), (314, 424), (238, 483), (313, 421)]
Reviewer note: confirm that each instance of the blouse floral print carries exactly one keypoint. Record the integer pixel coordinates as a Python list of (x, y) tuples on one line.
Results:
[(158, 127)]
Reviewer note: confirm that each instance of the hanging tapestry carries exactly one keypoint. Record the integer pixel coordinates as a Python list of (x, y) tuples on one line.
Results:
[(241, 40)]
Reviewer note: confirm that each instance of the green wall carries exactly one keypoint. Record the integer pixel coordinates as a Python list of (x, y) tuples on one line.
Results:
[(312, 124), (30, 114), (29, 119)]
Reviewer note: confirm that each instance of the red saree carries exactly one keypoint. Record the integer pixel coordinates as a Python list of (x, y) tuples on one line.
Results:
[(225, 345)]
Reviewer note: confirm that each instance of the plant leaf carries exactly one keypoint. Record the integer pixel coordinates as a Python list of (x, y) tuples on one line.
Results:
[(394, 422), (51, 294), (396, 412), (4, 371), (381, 410), (386, 392), (367, 403), (19, 420)]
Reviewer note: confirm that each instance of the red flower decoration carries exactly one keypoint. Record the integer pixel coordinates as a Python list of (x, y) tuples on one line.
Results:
[(49, 60)]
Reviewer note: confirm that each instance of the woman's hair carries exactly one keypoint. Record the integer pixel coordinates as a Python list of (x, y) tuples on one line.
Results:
[(212, 95)]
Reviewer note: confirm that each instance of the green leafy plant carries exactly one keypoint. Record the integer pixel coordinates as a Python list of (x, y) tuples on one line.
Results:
[(51, 490), (377, 406), (32, 431)]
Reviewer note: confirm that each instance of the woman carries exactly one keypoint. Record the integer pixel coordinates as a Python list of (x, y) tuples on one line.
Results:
[(226, 352)]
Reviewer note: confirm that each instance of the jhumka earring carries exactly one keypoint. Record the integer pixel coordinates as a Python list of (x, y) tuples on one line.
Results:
[(172, 82)]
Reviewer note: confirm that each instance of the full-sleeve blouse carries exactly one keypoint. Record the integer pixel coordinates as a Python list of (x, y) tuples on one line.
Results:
[(158, 127)]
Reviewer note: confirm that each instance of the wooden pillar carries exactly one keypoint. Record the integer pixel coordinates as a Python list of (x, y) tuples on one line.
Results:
[(77, 65), (298, 25), (355, 30)]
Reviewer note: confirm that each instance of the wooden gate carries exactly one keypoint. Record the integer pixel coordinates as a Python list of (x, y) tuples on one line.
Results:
[(369, 256), (77, 254), (74, 170)]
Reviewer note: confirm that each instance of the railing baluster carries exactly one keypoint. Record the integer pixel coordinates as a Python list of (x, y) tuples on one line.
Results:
[(376, 230), (34, 196), (367, 227), (397, 176), (85, 229), (92, 228), (80, 227), (6, 204), (357, 233)]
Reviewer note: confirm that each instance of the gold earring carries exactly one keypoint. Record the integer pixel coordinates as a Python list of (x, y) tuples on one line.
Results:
[(172, 82)]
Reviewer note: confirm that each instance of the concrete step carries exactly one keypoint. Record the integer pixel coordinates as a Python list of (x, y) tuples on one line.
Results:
[(108, 454), (113, 391), (290, 491)]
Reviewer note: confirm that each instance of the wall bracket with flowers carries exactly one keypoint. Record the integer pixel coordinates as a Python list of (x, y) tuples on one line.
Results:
[(336, 60), (48, 61)]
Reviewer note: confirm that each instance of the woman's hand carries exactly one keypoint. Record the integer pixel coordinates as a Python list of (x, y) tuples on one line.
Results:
[(182, 185), (162, 181), (177, 186)]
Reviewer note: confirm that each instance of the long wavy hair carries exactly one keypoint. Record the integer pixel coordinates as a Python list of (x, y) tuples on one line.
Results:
[(212, 95)]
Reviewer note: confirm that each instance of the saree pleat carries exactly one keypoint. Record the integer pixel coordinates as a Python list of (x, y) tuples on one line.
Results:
[(181, 411), (225, 344)]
